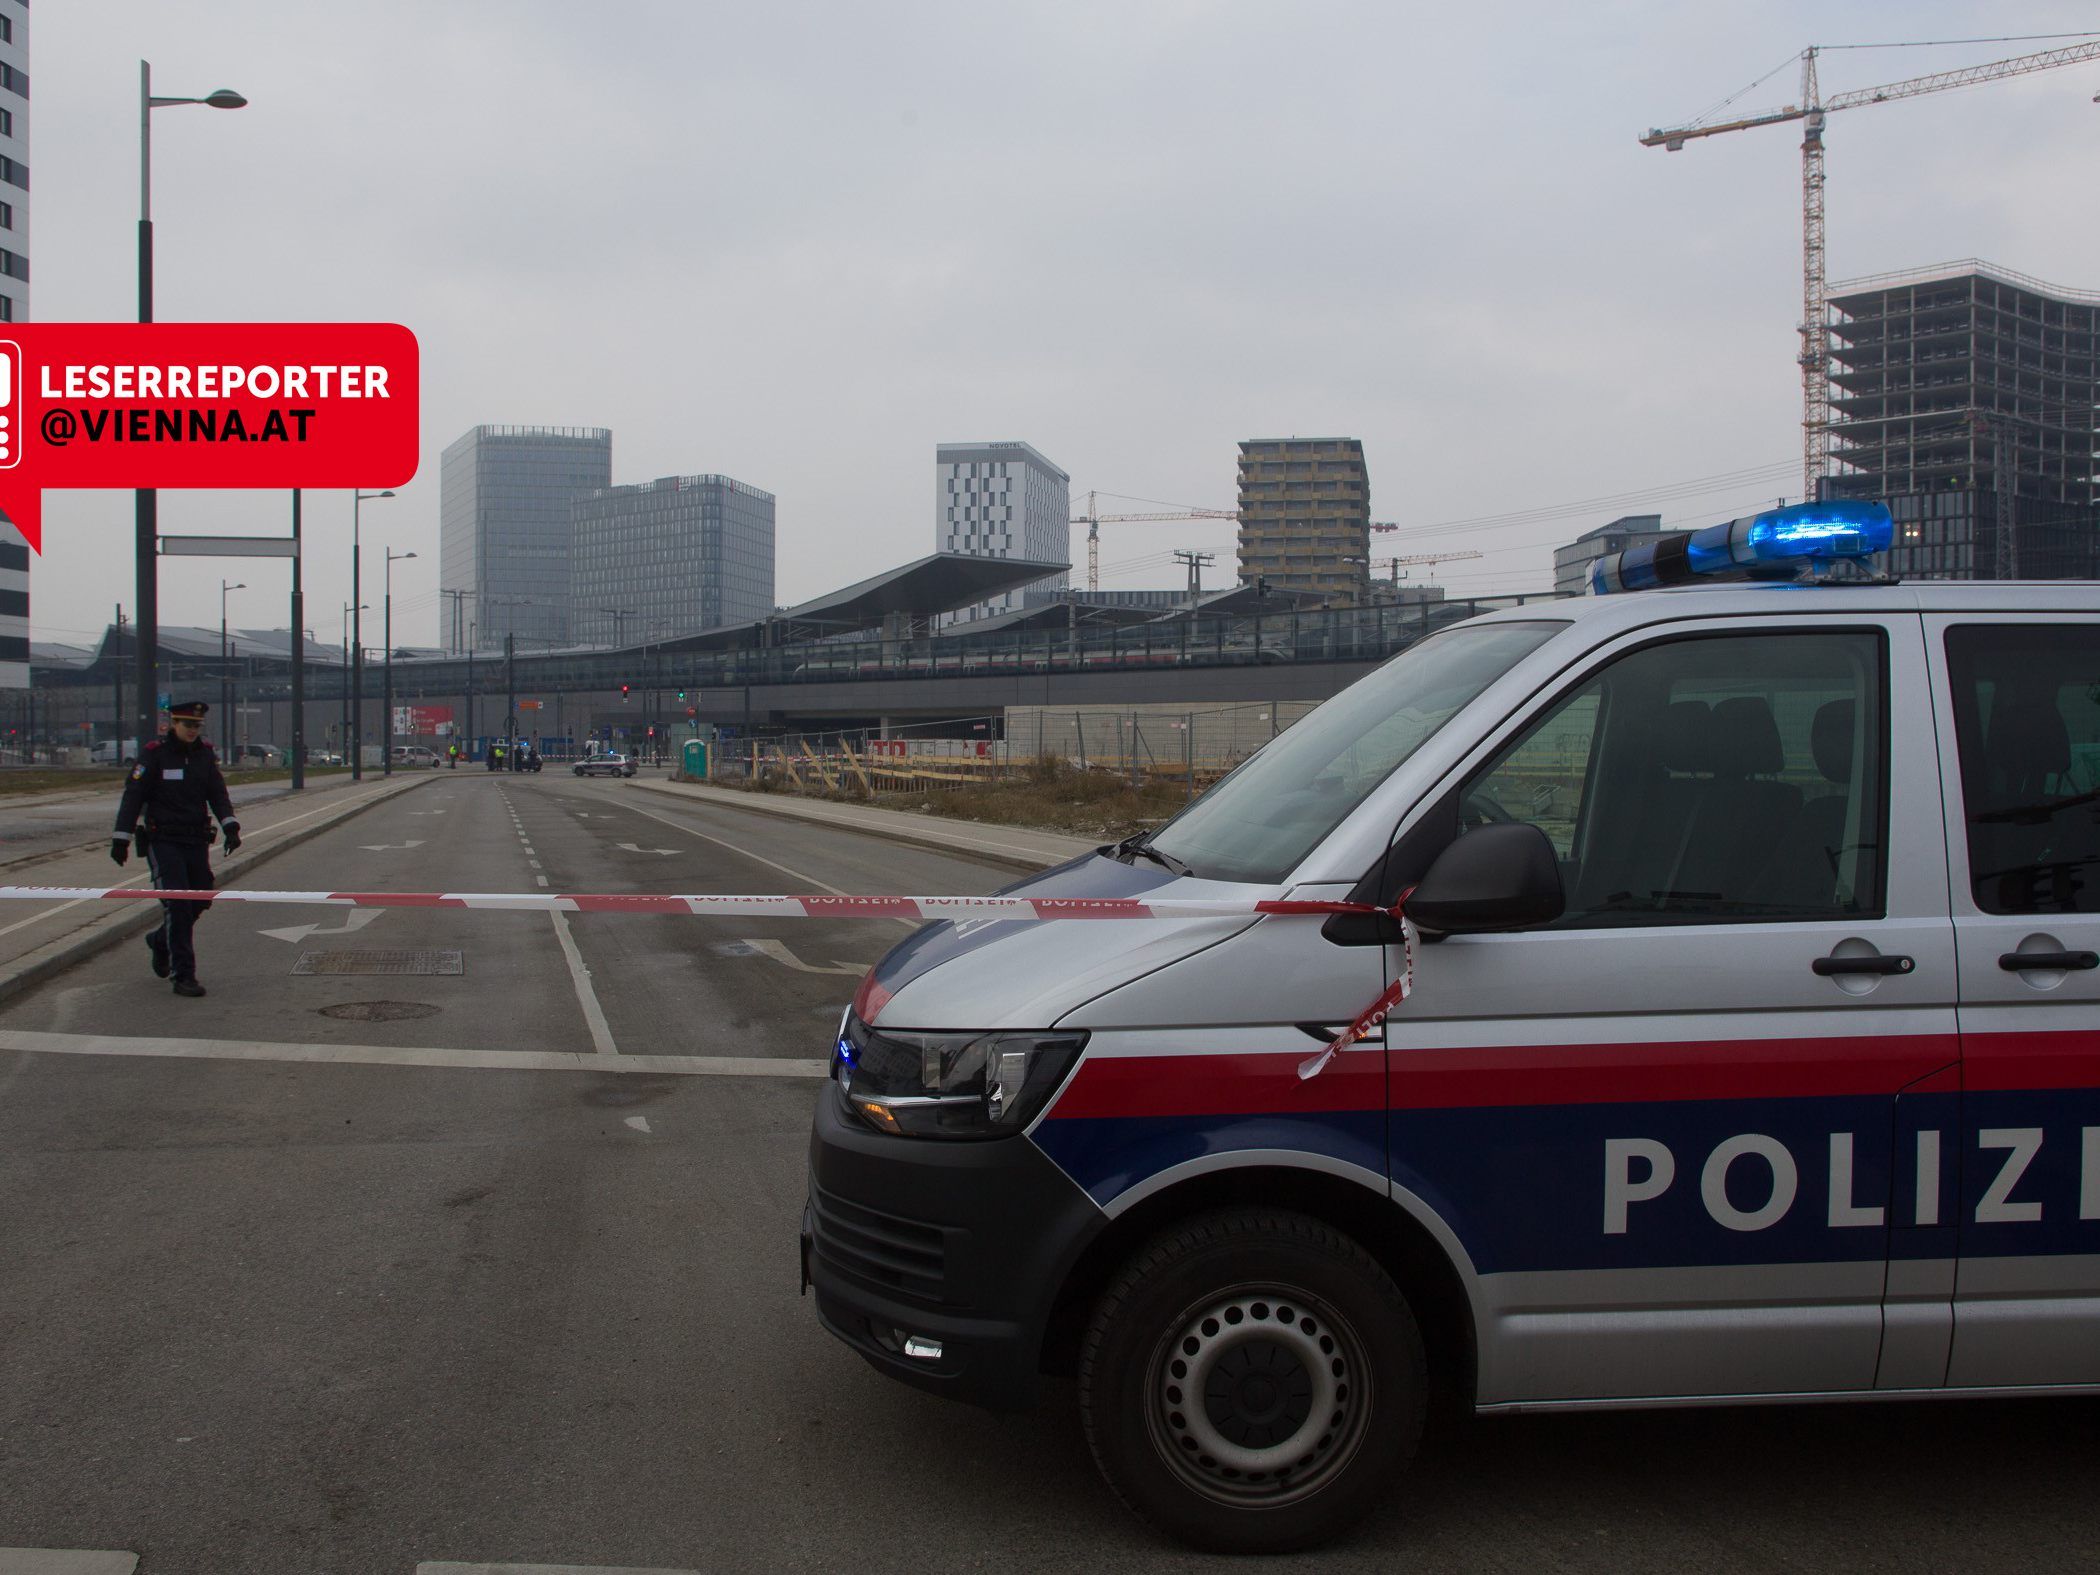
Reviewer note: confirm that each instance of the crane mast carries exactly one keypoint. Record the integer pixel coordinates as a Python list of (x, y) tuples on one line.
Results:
[(1812, 111)]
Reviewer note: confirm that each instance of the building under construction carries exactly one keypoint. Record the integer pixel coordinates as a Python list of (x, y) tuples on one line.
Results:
[(1305, 516), (1968, 398)]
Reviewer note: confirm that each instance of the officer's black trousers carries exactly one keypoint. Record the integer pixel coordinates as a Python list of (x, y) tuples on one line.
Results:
[(180, 866)]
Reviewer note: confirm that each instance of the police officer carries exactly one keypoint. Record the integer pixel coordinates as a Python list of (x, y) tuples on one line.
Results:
[(178, 786)]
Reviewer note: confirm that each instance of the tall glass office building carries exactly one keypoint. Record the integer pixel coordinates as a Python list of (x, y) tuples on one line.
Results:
[(507, 531), (671, 556)]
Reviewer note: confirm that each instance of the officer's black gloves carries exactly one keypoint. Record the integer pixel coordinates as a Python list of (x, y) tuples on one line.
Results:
[(232, 828), (120, 849)]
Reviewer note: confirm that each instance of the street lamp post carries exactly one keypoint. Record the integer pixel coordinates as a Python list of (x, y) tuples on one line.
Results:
[(146, 516), (357, 641), (225, 683), (343, 684), (392, 558)]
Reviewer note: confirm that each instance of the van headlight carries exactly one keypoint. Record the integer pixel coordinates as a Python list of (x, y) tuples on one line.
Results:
[(964, 1085)]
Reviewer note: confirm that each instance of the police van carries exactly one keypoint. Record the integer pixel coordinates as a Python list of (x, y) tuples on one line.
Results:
[(1752, 1049)]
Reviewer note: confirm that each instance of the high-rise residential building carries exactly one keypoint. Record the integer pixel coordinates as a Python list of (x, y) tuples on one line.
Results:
[(14, 609), (1002, 500), (14, 308), (1305, 515), (507, 530), (669, 557), (1967, 397), (14, 161), (1572, 563)]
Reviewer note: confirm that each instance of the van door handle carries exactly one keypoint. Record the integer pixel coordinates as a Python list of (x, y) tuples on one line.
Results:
[(2069, 962), (1829, 966)]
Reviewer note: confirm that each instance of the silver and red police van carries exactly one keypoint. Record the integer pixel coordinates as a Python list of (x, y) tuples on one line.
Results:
[(1752, 1048)]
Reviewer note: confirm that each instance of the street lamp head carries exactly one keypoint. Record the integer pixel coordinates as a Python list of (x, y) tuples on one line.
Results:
[(225, 98)]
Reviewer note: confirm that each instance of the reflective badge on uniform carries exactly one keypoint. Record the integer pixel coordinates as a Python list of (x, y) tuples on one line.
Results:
[(138, 772), (173, 775)]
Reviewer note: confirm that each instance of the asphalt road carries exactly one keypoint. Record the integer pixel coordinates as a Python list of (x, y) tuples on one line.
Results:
[(283, 1316), (38, 825)]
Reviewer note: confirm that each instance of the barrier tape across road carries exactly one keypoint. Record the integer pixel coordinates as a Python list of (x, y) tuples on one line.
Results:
[(707, 905)]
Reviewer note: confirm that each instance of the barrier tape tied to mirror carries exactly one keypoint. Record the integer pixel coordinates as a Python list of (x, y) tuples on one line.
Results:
[(809, 906)]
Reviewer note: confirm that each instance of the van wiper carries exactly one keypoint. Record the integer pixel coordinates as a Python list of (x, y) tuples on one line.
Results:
[(1139, 845)]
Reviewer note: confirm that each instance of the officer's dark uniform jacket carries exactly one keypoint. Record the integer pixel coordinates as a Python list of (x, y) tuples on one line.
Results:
[(180, 788)]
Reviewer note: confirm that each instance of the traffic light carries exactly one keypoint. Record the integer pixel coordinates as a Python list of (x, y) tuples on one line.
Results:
[(623, 691), (681, 697)]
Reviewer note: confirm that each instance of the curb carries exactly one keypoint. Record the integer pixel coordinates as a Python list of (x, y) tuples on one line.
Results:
[(56, 956), (948, 836)]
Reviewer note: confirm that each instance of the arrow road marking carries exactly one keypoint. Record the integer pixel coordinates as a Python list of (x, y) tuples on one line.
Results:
[(353, 921), (631, 848), (388, 847), (781, 954)]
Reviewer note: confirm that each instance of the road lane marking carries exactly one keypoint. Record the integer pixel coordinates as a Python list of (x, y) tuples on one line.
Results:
[(780, 954), (586, 997), (541, 879), (52, 913), (37, 1042), (909, 924), (449, 1568), (39, 918), (631, 848), (639, 1123), (353, 921), (389, 847)]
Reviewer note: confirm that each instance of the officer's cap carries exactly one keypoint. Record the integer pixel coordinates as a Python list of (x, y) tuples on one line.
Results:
[(189, 711)]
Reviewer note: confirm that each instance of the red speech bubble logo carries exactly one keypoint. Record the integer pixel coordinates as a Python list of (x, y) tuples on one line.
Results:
[(203, 405)]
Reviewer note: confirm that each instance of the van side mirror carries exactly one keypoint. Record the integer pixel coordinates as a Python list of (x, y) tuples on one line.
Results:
[(1498, 877)]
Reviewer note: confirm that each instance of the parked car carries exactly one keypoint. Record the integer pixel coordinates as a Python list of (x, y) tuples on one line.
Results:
[(416, 755), (611, 765)]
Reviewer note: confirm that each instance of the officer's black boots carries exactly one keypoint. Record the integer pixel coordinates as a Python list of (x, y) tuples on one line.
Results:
[(157, 944), (188, 987)]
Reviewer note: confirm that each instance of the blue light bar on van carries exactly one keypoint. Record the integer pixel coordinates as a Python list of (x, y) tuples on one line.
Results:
[(1804, 533)]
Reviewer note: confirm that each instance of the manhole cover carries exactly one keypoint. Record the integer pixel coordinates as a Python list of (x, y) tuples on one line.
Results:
[(381, 962), (378, 1011)]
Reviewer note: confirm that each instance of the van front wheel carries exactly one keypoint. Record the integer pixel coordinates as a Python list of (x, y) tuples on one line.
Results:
[(1252, 1382)]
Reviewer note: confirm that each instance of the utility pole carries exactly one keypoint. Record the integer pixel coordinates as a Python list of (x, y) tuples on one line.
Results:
[(1195, 562), (298, 658), (510, 684), (458, 597), (116, 670)]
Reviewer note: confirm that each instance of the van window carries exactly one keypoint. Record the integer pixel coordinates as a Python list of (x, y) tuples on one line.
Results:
[(1261, 821), (1723, 778), (2027, 727)]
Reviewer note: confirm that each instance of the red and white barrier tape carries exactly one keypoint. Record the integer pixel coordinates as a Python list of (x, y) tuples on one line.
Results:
[(707, 905)]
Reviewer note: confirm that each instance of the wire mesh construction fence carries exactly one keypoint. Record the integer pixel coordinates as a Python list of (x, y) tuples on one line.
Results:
[(1143, 746)]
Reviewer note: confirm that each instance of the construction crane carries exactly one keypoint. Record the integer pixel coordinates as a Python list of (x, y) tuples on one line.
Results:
[(1811, 112), (1430, 558), (1093, 521)]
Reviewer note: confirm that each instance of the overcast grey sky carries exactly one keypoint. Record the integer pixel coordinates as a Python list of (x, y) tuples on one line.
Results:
[(803, 243)]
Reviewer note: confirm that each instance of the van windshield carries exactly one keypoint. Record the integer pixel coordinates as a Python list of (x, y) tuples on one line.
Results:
[(1260, 822)]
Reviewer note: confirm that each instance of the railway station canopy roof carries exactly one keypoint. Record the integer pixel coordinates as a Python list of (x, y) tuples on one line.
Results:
[(920, 590)]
